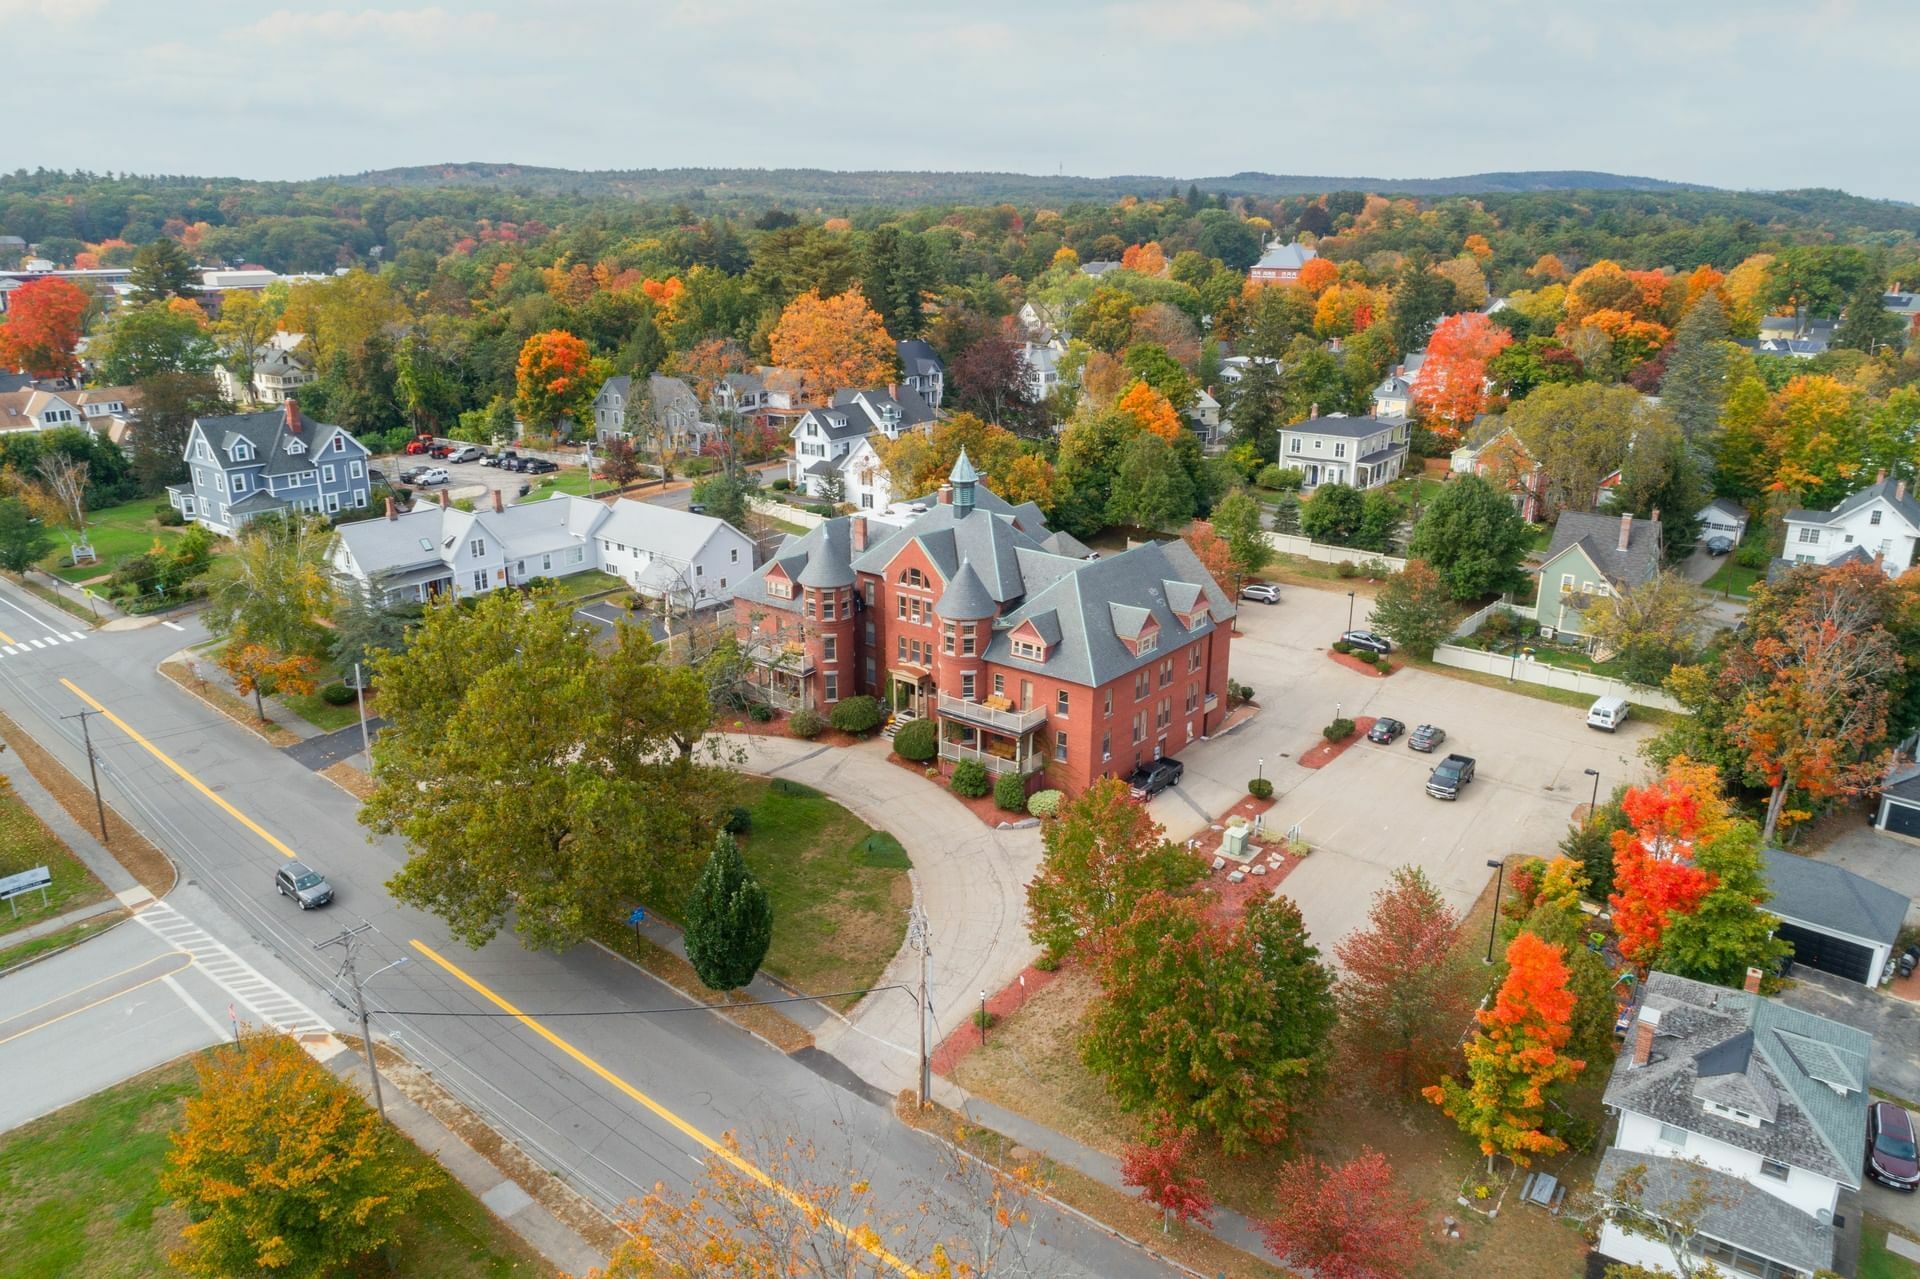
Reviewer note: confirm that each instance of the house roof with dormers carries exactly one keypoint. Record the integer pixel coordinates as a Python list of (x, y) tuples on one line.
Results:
[(272, 439)]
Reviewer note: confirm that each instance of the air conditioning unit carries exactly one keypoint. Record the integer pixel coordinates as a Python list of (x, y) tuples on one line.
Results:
[(1546, 632)]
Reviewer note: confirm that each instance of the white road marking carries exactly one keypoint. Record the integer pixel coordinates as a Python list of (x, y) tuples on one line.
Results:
[(220, 1032), (38, 643), (174, 626), (23, 612), (274, 1005), (10, 650)]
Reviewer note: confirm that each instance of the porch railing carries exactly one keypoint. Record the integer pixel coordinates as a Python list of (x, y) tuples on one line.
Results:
[(995, 764), (1015, 722)]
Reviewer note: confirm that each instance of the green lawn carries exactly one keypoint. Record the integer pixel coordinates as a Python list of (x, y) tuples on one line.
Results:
[(839, 889), (118, 533), (576, 586), (568, 479), (316, 710), (1875, 1261), (26, 843), (1732, 579), (21, 952), (79, 1195)]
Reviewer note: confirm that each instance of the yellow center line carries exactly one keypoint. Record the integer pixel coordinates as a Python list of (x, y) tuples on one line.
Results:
[(69, 994), (7, 639), (182, 773), (104, 999), (861, 1237)]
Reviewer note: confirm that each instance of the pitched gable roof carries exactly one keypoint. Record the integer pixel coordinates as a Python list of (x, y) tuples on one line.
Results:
[(1598, 537), (1904, 502), (271, 442), (1832, 897)]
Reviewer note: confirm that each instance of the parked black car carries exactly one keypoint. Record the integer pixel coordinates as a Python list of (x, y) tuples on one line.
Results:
[(1892, 1159), (1426, 737), (1385, 730), (537, 465), (1450, 776), (1149, 780)]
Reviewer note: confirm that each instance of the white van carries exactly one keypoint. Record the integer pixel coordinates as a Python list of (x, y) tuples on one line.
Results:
[(1608, 713)]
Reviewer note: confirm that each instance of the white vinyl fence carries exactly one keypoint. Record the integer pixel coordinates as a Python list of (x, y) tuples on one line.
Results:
[(782, 511), (1321, 553), (1474, 621), (1528, 671)]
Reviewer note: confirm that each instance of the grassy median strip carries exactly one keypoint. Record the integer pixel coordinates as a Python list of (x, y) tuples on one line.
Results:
[(13, 956), (782, 1032), (130, 848), (234, 708)]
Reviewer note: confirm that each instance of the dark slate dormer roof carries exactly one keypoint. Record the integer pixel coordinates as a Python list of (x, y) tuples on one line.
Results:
[(1064, 543), (913, 407), (965, 599), (621, 385), (1182, 596), (1046, 624), (1129, 620), (1599, 537), (817, 558), (266, 432), (1816, 1068), (830, 566), (988, 541), (838, 423), (917, 358), (1730, 1074), (1903, 780), (1831, 897)]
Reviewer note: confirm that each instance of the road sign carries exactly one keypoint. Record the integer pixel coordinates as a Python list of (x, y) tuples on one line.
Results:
[(638, 916)]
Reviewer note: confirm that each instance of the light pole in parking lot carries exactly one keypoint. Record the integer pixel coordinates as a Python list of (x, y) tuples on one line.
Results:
[(1260, 769), (1493, 925), (1593, 805), (1349, 610)]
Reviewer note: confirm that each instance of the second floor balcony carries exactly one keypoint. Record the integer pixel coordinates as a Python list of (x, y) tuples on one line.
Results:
[(1005, 719)]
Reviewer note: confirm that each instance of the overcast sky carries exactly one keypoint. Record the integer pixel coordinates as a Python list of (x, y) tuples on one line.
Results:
[(1754, 93)]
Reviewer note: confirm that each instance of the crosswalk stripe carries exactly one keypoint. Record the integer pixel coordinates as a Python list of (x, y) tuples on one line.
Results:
[(38, 643), (11, 650), (248, 986)]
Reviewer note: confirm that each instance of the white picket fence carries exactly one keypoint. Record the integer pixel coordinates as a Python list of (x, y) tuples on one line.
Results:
[(782, 511), (1528, 671), (1319, 552)]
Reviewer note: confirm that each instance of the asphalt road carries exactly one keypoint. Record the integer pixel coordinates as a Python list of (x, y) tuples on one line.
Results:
[(613, 1100)]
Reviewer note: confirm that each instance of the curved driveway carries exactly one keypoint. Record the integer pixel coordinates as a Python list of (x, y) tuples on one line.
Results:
[(971, 881)]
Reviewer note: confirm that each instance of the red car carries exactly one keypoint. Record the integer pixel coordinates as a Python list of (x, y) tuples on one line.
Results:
[(1891, 1157)]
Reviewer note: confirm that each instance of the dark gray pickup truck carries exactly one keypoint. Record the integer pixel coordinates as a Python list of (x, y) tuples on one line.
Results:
[(1449, 776)]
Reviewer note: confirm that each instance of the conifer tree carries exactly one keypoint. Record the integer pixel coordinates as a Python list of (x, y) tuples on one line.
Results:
[(729, 919)]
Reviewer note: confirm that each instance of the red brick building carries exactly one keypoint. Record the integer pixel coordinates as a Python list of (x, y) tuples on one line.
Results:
[(1036, 659), (1281, 264)]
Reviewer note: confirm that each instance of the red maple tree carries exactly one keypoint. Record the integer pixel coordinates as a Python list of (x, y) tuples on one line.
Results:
[(1158, 1169), (45, 319), (1404, 991), (1451, 387), (1350, 1222), (1654, 878)]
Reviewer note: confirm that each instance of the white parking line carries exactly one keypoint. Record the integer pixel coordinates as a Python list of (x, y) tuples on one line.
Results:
[(173, 626)]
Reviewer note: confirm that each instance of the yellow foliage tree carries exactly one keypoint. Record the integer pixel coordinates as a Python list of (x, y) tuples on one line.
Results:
[(1151, 411), (1746, 289), (833, 343)]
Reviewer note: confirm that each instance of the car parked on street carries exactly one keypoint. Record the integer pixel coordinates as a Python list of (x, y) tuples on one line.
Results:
[(1426, 738), (1385, 730), (1892, 1159), (1149, 780), (1368, 640), (1263, 592), (304, 884)]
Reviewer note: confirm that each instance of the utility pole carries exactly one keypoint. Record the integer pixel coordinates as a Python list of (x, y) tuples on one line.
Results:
[(345, 939), (360, 696), (920, 937), (93, 770)]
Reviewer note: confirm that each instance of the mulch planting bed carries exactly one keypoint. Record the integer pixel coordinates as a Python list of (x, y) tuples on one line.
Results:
[(1324, 752), (1353, 663)]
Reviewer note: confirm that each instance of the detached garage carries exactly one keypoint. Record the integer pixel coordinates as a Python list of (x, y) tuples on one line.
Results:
[(1722, 518), (1837, 921), (1899, 811)]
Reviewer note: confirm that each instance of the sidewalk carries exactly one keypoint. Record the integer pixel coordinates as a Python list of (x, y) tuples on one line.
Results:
[(214, 674), (84, 843)]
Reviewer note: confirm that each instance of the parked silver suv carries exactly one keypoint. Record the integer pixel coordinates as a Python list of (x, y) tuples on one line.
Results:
[(304, 884)]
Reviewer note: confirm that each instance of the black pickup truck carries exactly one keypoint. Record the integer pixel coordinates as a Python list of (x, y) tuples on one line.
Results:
[(1450, 776)]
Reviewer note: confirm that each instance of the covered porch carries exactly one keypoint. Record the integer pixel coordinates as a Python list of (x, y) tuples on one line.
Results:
[(779, 674), (1003, 739)]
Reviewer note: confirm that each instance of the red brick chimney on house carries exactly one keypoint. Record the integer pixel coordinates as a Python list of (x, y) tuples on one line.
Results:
[(392, 514), (1752, 986), (444, 503), (499, 505), (1880, 477), (1900, 491), (1626, 530), (946, 495), (859, 533), (293, 416), (1643, 1030), (1313, 410)]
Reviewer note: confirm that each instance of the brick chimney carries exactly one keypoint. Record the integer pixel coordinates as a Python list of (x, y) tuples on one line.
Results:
[(859, 533), (1880, 476), (1313, 411), (444, 503), (1900, 491), (392, 513), (1655, 517), (946, 495), (292, 410), (1643, 1029), (1626, 530), (1752, 985), (499, 504)]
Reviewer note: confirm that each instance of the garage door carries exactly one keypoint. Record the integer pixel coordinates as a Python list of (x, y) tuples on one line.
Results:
[(1828, 954), (1902, 820)]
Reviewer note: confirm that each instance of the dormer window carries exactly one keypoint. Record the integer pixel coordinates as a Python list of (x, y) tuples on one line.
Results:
[(295, 446), (779, 588), (1148, 642), (240, 452), (1029, 651), (914, 577)]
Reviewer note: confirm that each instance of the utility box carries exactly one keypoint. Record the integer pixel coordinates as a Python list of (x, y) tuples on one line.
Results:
[(1234, 842)]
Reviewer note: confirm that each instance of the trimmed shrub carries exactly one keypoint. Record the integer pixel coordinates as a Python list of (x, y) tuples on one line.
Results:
[(1346, 568), (1341, 646), (1338, 731), (781, 485), (1047, 963), (1238, 693), (917, 740), (167, 516), (1260, 788), (1044, 803), (337, 695), (739, 820), (1366, 655), (806, 723), (969, 779), (759, 712), (1010, 793), (857, 715)]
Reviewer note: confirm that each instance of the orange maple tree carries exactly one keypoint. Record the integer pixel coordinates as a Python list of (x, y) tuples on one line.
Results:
[(1477, 245), (1151, 411), (1451, 388), (44, 322), (257, 670), (1144, 259), (1654, 878), (1214, 555), (554, 379), (1318, 275), (1516, 1056), (833, 343)]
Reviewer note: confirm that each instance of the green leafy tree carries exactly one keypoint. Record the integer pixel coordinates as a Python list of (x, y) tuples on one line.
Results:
[(367, 623), (1380, 517), (729, 919), (1151, 489), (1415, 609), (1333, 514), (536, 775), (1590, 843), (162, 270), (724, 496), (1579, 434), (1102, 853), (163, 419), (895, 274), (141, 342), (1149, 362), (1653, 626), (1473, 538), (1237, 520), (1817, 279), (281, 586), (1694, 387), (1219, 1026), (1867, 325), (282, 1170), (1728, 931), (24, 540), (1420, 298), (1664, 473)]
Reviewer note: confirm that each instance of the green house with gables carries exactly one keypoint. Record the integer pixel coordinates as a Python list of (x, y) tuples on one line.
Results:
[(1592, 556)]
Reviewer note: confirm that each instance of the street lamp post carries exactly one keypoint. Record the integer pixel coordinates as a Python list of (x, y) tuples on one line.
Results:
[(983, 1019), (1349, 610), (1493, 926), (1593, 805), (1260, 769)]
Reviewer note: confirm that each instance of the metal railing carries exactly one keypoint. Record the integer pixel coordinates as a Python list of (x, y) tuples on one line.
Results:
[(998, 765), (1015, 722)]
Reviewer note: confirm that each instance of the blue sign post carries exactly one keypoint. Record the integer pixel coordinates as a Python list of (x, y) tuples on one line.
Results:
[(637, 918)]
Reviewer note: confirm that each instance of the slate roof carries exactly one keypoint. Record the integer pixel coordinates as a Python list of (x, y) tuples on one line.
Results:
[(1065, 543), (1726, 506), (1820, 1127), (965, 599), (1287, 257), (1908, 506), (1903, 781), (1599, 537), (1337, 425), (1832, 898), (913, 407), (620, 384), (258, 502), (266, 431), (917, 358), (1098, 267), (1736, 1212), (1901, 303), (986, 539)]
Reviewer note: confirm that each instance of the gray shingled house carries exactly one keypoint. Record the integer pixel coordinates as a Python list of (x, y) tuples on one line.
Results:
[(273, 462)]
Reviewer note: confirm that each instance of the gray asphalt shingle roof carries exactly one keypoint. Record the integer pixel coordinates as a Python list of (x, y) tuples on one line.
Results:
[(1599, 537), (1735, 1212), (1817, 1067), (266, 433), (918, 358), (1903, 781), (1907, 504), (1832, 898), (1345, 428)]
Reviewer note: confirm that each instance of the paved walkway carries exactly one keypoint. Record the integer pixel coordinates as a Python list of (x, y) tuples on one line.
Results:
[(969, 879), (83, 842)]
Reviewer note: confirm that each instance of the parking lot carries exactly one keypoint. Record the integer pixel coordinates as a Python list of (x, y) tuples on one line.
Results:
[(1368, 811), (466, 479)]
